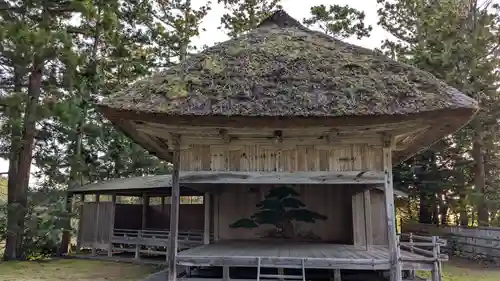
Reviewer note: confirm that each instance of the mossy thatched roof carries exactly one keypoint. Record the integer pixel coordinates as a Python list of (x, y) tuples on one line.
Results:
[(284, 69)]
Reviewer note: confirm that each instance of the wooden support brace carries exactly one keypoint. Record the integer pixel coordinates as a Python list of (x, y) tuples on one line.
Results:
[(174, 209)]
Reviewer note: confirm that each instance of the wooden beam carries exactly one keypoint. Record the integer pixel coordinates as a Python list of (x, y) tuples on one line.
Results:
[(396, 274), (96, 225), (112, 225), (367, 206), (206, 221), (330, 177), (174, 209)]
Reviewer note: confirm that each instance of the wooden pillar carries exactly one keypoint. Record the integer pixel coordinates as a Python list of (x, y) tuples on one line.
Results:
[(216, 216), (396, 274), (112, 225), (145, 205), (66, 236), (174, 209), (367, 204), (206, 229), (79, 233), (96, 225), (336, 275), (225, 273)]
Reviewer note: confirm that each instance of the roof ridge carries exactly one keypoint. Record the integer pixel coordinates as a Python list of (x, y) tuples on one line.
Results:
[(281, 19)]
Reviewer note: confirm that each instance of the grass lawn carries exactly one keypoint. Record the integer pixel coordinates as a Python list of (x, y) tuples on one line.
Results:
[(72, 269), (87, 270), (463, 270)]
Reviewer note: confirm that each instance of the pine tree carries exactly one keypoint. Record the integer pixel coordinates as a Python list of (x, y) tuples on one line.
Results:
[(338, 21), (457, 41), (33, 37)]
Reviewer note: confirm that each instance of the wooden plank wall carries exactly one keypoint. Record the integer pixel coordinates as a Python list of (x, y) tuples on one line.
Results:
[(88, 223), (379, 223), (129, 216), (191, 217), (286, 159), (332, 201)]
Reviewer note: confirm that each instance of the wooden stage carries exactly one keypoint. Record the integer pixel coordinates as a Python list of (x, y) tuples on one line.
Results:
[(295, 255)]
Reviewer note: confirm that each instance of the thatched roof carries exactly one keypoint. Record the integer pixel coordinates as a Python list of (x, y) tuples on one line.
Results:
[(282, 68)]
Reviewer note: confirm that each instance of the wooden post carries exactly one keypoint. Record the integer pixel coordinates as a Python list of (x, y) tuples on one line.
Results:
[(79, 234), (411, 272), (137, 255), (436, 270), (145, 205), (174, 209), (367, 203), (206, 229), (112, 225), (66, 237), (225, 273), (336, 275), (96, 225), (396, 274), (216, 217)]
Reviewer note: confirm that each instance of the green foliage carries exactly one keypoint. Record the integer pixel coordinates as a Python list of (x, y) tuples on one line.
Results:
[(338, 21), (245, 15), (280, 208), (43, 221), (457, 41)]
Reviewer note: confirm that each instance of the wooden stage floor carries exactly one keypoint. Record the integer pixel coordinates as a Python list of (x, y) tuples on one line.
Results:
[(290, 255)]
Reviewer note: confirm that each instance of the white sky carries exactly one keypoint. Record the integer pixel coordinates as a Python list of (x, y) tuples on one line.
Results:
[(299, 9)]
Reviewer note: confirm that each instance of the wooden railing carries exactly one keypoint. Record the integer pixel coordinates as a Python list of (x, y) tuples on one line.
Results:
[(429, 250), (151, 242)]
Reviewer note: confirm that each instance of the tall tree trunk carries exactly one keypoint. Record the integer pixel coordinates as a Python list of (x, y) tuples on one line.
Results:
[(479, 176), (443, 209), (435, 212), (425, 214), (12, 186), (464, 217), (26, 153)]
